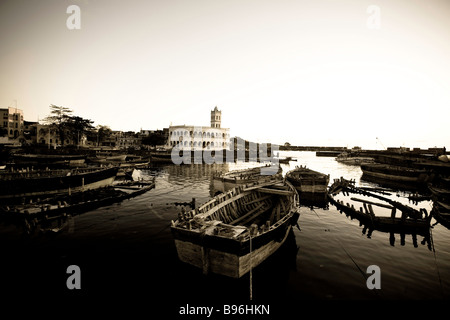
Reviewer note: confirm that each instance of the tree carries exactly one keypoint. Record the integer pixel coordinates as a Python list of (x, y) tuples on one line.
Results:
[(78, 127), (58, 120), (103, 133), (154, 139)]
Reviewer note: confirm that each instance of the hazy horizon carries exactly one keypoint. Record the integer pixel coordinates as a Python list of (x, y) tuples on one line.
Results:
[(311, 73)]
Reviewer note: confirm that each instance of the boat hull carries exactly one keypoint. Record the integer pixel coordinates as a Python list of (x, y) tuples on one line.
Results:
[(230, 264), (312, 186), (60, 184), (227, 181), (236, 231), (398, 174)]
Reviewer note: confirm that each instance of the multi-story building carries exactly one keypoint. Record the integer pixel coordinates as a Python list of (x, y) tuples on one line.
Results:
[(47, 135), (213, 137), (129, 139), (30, 132), (11, 123)]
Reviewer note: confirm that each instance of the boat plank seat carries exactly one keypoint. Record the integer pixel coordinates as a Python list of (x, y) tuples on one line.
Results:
[(250, 213)]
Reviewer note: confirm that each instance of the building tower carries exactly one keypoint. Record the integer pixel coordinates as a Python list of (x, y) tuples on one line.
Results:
[(216, 116)]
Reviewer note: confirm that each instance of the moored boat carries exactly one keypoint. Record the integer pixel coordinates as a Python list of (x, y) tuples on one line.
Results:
[(224, 181), (311, 185), (23, 160), (237, 230), (376, 211), (18, 185), (46, 211), (396, 173), (349, 159), (441, 212)]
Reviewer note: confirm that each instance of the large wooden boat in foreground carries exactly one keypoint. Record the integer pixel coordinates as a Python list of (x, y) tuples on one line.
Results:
[(237, 230)]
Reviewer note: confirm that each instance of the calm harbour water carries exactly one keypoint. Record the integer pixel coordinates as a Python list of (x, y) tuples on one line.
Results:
[(126, 253)]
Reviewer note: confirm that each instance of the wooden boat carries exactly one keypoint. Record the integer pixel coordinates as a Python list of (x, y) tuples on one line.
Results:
[(311, 185), (17, 185), (23, 160), (439, 193), (223, 182), (285, 160), (61, 205), (395, 173), (349, 159), (106, 158), (441, 212), (391, 215), (161, 157), (237, 230)]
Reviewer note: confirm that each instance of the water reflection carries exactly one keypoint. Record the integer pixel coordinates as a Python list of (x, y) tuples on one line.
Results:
[(122, 241)]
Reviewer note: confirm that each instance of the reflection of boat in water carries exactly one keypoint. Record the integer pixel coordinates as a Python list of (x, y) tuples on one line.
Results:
[(237, 230), (19, 184), (223, 182), (377, 212), (311, 185)]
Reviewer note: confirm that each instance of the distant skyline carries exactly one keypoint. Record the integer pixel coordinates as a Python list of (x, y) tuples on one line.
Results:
[(367, 73)]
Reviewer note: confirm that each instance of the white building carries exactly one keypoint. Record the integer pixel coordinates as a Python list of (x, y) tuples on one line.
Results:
[(200, 138)]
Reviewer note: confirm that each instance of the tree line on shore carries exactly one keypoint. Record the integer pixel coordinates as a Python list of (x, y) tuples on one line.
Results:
[(66, 125)]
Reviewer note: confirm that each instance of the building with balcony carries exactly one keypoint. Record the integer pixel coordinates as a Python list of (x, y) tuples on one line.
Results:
[(213, 137)]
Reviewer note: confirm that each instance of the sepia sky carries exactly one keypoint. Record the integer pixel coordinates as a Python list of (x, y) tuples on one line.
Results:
[(316, 72)]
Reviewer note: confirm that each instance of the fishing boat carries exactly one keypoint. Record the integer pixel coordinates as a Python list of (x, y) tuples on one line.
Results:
[(438, 193), (237, 230), (23, 160), (163, 157), (25, 183), (224, 181), (349, 159), (76, 203), (377, 211), (107, 158), (311, 185), (398, 174), (441, 212), (285, 160)]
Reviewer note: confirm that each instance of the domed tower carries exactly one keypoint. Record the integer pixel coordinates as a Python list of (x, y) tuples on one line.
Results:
[(216, 116)]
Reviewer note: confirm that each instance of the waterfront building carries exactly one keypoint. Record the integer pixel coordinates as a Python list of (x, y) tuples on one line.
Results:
[(11, 123), (48, 135), (191, 137), (29, 132), (129, 139)]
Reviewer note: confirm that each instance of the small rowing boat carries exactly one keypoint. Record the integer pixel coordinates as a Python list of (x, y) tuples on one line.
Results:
[(237, 230), (223, 182)]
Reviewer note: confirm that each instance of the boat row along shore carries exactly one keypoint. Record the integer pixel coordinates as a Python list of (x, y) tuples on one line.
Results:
[(251, 212)]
